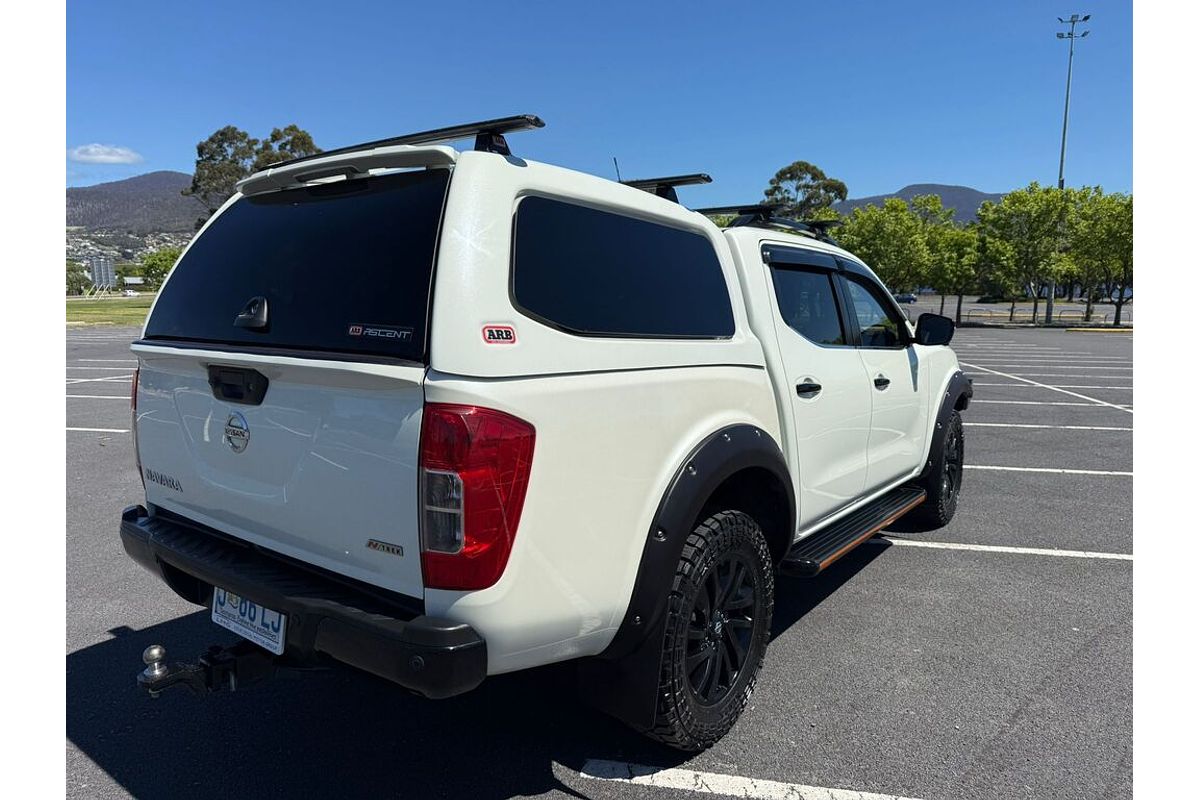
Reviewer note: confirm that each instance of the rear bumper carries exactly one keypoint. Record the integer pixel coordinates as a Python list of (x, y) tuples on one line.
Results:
[(382, 635)]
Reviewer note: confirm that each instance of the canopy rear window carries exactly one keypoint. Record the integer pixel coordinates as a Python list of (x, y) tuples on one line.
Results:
[(344, 267)]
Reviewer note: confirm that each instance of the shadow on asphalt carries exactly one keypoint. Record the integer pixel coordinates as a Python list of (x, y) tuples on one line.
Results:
[(795, 597), (342, 733)]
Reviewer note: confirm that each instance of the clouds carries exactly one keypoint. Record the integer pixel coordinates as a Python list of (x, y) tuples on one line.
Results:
[(103, 154)]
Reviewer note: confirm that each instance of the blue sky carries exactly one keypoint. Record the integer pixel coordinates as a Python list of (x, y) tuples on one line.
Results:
[(879, 95)]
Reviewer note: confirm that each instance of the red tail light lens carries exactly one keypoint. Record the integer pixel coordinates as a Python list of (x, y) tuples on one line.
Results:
[(475, 466)]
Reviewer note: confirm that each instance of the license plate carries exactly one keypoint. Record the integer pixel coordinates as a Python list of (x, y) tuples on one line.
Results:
[(263, 626)]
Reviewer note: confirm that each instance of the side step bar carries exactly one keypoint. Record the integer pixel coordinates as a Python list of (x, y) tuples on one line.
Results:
[(818, 550)]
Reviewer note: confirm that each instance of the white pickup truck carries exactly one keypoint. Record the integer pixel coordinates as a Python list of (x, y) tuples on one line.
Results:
[(441, 415)]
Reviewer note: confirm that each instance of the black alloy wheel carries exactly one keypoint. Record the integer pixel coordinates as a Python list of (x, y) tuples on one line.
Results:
[(716, 632), (720, 629)]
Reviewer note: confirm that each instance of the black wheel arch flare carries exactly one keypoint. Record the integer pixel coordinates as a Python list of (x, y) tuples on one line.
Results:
[(622, 680), (956, 397)]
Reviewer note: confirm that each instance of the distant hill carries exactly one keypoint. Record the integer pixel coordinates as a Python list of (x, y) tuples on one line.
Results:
[(146, 203), (963, 199)]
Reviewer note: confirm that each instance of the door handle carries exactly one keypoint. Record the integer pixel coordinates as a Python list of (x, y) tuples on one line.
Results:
[(881, 382), (808, 389)]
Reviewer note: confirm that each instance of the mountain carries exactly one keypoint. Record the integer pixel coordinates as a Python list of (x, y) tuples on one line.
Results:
[(146, 203), (963, 199)]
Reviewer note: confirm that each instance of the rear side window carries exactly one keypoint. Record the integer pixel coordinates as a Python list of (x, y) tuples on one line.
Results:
[(808, 305), (344, 267), (596, 273)]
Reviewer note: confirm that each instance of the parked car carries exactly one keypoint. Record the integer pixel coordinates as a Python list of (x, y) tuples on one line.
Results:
[(905, 297), (545, 417)]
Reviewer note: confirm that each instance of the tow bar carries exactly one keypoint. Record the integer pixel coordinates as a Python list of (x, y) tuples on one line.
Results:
[(221, 667)]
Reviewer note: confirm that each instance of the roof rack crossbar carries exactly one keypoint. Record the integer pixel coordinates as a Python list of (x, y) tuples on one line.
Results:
[(489, 137), (761, 211), (665, 187), (762, 215)]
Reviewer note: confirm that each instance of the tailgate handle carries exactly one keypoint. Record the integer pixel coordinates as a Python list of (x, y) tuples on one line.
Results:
[(237, 385), (253, 315)]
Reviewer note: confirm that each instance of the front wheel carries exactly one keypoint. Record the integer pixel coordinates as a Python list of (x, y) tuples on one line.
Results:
[(944, 481), (718, 625)]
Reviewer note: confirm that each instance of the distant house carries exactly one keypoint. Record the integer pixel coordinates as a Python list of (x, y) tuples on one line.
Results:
[(134, 280)]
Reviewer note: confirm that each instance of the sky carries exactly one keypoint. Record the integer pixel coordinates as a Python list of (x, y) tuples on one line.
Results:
[(877, 94)]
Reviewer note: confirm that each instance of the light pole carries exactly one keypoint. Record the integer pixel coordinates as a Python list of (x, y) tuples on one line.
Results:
[(1073, 20), (1071, 36)]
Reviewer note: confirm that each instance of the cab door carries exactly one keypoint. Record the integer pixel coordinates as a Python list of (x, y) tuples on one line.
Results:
[(898, 387), (831, 403)]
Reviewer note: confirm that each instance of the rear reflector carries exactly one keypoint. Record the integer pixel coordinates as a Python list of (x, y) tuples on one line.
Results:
[(475, 466), (137, 456)]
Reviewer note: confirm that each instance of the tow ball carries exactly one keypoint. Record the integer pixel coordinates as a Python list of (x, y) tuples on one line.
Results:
[(230, 668)]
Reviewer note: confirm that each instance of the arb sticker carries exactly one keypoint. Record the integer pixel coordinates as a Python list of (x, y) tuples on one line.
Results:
[(499, 334)]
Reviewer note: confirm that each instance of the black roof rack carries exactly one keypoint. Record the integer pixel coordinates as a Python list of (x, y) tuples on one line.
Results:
[(762, 215), (489, 137), (665, 187), (756, 212)]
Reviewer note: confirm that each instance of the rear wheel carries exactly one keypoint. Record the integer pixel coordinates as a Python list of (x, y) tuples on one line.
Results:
[(718, 625), (944, 481)]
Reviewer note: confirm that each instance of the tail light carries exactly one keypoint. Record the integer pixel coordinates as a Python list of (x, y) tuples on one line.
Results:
[(475, 466)]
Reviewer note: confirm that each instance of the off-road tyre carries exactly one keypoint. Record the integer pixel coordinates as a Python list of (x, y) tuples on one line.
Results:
[(710, 619), (943, 482)]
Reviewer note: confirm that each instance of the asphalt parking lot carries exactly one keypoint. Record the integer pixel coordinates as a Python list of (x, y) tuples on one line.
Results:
[(988, 659)]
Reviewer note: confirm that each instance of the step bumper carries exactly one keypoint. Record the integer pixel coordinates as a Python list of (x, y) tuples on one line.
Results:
[(386, 636)]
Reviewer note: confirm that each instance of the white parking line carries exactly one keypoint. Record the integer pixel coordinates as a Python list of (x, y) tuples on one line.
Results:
[(1059, 427), (109, 360), (100, 369), (1054, 470), (1049, 366), (995, 548), (1073, 386), (100, 430), (124, 397), (1052, 388), (121, 378), (1052, 375), (1059, 385), (1046, 403), (716, 783)]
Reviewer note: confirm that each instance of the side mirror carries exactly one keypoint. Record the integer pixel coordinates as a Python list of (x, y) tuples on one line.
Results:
[(934, 329)]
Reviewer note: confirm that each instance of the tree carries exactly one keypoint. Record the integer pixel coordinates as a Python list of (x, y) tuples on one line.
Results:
[(77, 279), (954, 265), (284, 145), (890, 239), (157, 264), (1031, 221), (804, 188), (937, 226), (1100, 243), (231, 154), (1120, 235), (995, 267)]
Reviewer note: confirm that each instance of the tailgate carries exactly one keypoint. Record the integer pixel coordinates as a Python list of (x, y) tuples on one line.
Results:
[(318, 294), (323, 468)]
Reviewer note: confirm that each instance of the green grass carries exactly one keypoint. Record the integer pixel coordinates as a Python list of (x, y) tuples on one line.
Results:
[(111, 311)]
